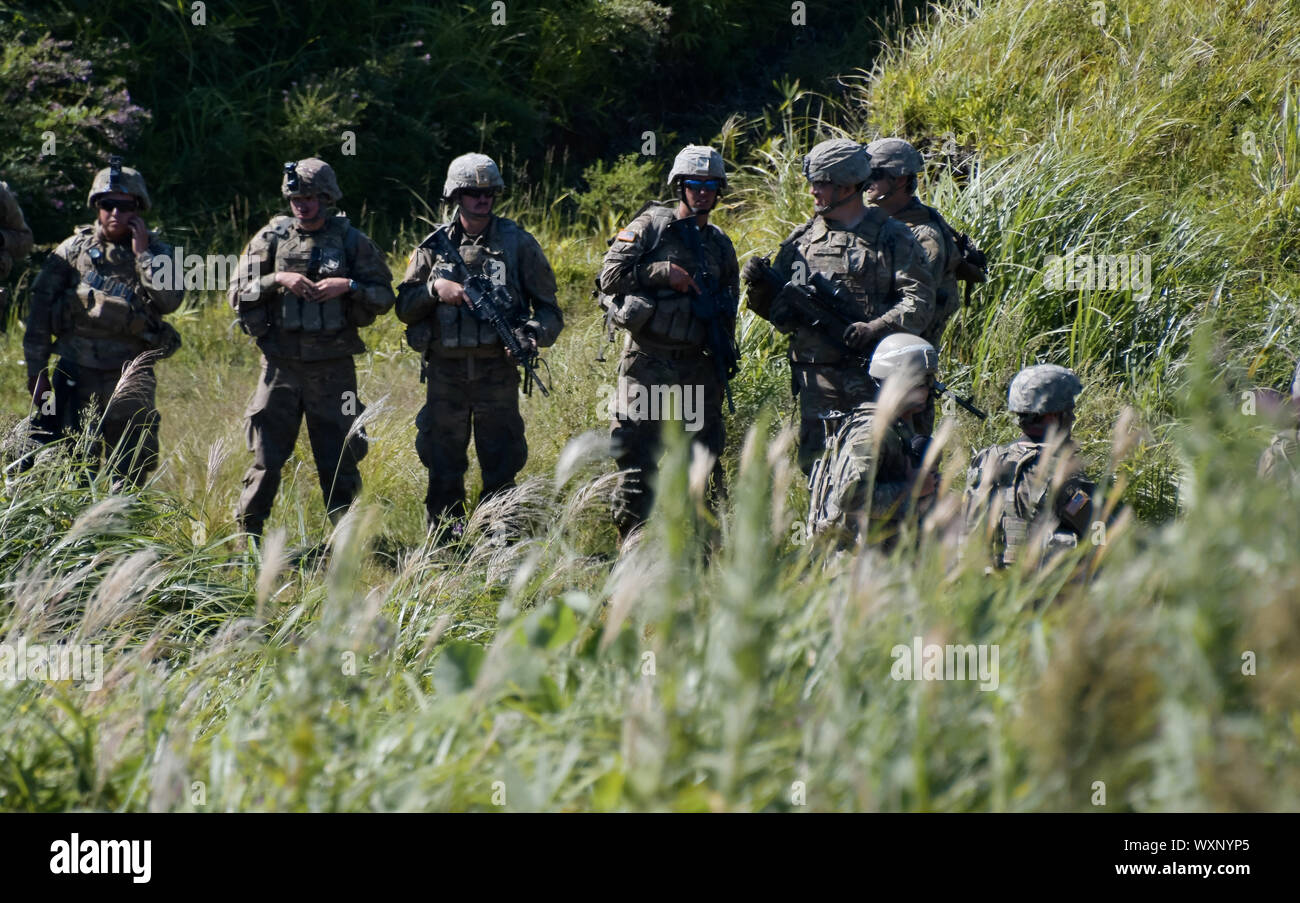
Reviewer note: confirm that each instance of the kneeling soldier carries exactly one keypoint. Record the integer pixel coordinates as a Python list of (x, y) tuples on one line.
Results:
[(865, 482), (1033, 490)]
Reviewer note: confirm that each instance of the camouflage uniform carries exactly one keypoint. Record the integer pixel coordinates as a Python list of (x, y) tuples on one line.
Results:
[(884, 269), (851, 466), (665, 346), (862, 485), (937, 242), (97, 333), (1282, 457), (308, 349), (472, 384), (15, 244), (1279, 461), (1007, 494), (1023, 491)]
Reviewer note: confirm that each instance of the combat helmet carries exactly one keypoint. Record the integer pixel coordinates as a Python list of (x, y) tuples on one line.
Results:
[(696, 161), (312, 177), (1043, 389), (838, 161), (895, 156), (472, 171), (902, 350), (118, 178)]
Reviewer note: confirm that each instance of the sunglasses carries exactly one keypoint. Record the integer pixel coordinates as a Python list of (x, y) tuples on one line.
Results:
[(478, 192), (698, 185), (113, 204), (878, 175)]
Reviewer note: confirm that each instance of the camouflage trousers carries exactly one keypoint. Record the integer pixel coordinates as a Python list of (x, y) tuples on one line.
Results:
[(654, 387), (824, 389), (325, 392), (478, 393), (124, 426)]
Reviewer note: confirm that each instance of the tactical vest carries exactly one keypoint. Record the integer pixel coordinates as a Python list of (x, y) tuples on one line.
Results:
[(495, 255), (947, 300), (839, 475), (97, 326), (1017, 498), (674, 322), (855, 260), (323, 254)]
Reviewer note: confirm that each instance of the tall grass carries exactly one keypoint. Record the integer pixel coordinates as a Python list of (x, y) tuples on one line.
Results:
[(718, 663)]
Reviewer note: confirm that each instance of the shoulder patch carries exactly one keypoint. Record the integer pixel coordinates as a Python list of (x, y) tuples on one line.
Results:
[(627, 235), (1077, 501)]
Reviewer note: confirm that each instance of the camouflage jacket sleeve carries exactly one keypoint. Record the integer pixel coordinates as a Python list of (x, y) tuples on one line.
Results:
[(622, 272), (15, 236), (414, 303), (730, 281), (1074, 503), (914, 289), (374, 279), (538, 282), (57, 277), (165, 300), (254, 280)]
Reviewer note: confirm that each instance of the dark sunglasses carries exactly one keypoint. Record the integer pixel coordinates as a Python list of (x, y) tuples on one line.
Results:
[(879, 175), (478, 192), (698, 185), (114, 204)]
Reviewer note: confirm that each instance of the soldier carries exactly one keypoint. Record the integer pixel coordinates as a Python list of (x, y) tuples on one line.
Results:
[(473, 381), (1281, 460), (1033, 490), (892, 188), (680, 334), (869, 474), (97, 299), (15, 245), (306, 283), (877, 269)]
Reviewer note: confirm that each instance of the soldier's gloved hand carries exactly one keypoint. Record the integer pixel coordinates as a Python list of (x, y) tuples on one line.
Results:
[(527, 340), (680, 280), (859, 336), (755, 270)]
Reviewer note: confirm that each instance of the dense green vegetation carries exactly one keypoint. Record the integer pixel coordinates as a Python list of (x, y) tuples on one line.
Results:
[(556, 673)]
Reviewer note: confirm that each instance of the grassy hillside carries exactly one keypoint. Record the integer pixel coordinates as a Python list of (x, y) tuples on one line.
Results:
[(720, 665)]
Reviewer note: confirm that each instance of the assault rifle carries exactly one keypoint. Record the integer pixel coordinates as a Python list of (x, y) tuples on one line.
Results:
[(714, 307), (820, 306), (485, 304)]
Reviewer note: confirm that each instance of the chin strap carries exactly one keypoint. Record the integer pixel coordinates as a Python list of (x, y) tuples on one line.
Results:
[(822, 211)]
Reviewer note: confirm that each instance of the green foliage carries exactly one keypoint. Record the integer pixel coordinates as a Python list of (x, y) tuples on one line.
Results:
[(719, 663), (613, 194)]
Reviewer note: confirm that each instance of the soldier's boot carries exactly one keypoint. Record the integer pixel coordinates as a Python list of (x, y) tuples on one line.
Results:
[(633, 500), (444, 505)]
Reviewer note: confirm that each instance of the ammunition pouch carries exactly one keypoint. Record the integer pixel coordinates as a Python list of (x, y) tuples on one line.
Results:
[(420, 335), (633, 313), (673, 321), (255, 322)]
